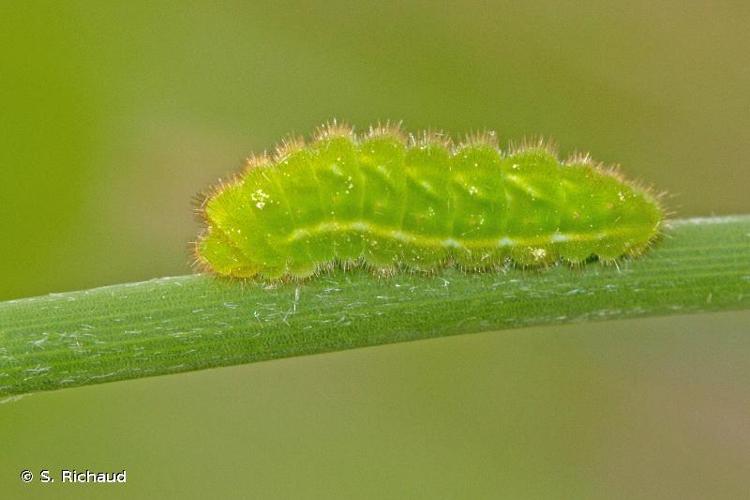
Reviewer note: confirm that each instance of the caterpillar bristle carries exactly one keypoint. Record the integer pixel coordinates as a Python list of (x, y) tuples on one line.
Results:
[(385, 272), (431, 137), (578, 158), (198, 262), (532, 143), (332, 129), (257, 160), (480, 138), (200, 200), (387, 129), (198, 203), (287, 147)]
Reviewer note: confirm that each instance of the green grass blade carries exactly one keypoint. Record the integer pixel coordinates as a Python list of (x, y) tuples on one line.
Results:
[(191, 322)]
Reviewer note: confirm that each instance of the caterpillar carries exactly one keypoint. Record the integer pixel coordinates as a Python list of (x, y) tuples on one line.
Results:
[(391, 201)]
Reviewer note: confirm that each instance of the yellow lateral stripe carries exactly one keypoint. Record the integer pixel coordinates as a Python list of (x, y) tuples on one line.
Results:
[(426, 241)]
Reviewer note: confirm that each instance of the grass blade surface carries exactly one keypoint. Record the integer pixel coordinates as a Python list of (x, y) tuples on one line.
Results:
[(191, 322)]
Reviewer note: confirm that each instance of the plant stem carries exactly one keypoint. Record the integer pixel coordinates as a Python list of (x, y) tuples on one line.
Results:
[(191, 322)]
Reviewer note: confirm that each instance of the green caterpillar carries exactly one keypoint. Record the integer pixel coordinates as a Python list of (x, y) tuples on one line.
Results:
[(390, 202)]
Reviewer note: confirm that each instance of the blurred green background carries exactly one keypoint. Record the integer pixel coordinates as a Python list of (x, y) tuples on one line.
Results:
[(113, 115)]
